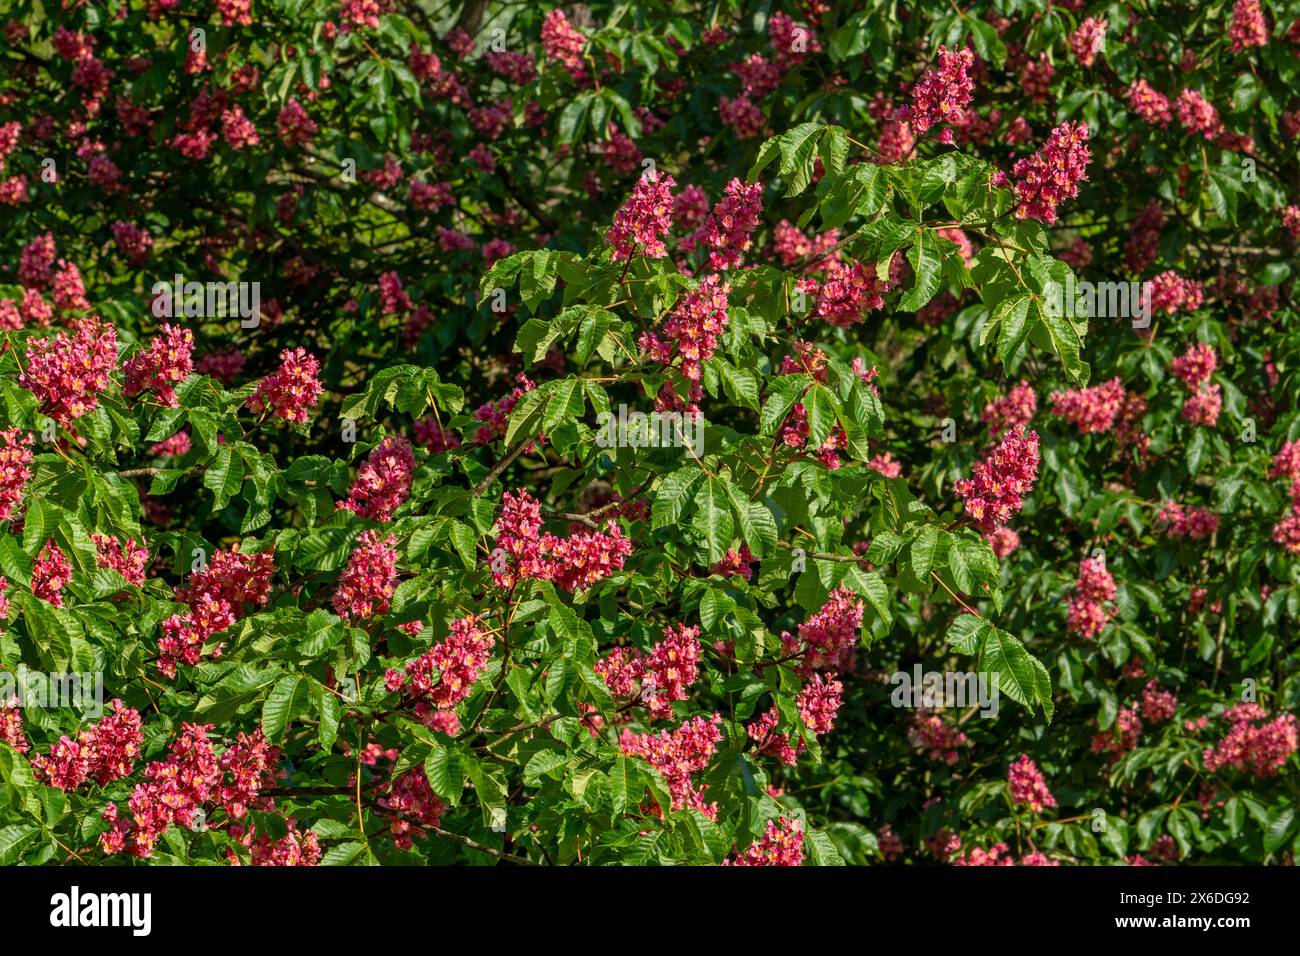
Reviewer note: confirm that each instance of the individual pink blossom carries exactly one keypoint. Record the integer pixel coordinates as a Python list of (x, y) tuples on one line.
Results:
[(885, 465), (1052, 175), (367, 583), (133, 241), (224, 366), (1003, 541), (36, 264), (1122, 737), (384, 481), (1144, 238), (850, 291), (791, 42), (1203, 406), (1028, 786), (999, 483), (1171, 293), (237, 129), (414, 807), (292, 390), (215, 598), (743, 115), (1286, 463)]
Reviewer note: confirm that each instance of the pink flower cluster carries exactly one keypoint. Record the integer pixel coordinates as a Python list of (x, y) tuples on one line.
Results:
[(664, 675), (162, 366), (1253, 744), (457, 661), (1150, 104), (830, 636), (1194, 367), (726, 232), (51, 573), (67, 373), (644, 219), (942, 95), (850, 291), (1158, 704), (1052, 175), (368, 581), (384, 481), (292, 390), (1248, 27), (780, 845), (677, 754), (572, 563), (1028, 786), (1089, 40), (15, 471), (563, 44), (102, 753), (1087, 613), (999, 483), (216, 598), (125, 557), (692, 330), (1197, 114), (1092, 410), (1171, 293), (993, 856), (414, 806), (1016, 408), (818, 702), (938, 740), (1122, 737), (174, 790), (495, 415), (1183, 522)]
